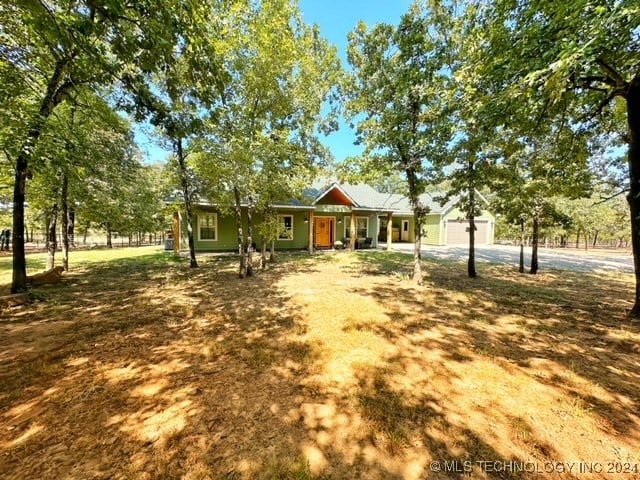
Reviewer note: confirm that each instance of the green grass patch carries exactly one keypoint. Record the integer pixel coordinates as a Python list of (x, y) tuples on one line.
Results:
[(134, 257)]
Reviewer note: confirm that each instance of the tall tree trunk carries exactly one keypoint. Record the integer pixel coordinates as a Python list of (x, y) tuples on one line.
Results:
[(578, 239), (272, 254), (418, 216), (242, 270), (633, 118), (108, 226), (521, 267), (71, 228), (55, 92), (84, 236), (188, 207), (595, 238), (534, 245), (52, 237), (64, 204), (263, 253), (250, 238), (471, 263)]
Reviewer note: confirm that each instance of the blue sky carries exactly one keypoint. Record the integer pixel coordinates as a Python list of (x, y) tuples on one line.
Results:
[(336, 18)]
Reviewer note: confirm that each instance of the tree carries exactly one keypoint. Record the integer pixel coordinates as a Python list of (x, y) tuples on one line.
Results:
[(395, 97), (56, 47), (583, 54), (473, 112), (261, 137), (177, 98), (538, 164)]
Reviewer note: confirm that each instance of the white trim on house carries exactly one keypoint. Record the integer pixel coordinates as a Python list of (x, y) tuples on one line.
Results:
[(454, 204), (202, 216), (288, 238)]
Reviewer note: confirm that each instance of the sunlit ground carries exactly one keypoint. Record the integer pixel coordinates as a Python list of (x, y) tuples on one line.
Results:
[(335, 366)]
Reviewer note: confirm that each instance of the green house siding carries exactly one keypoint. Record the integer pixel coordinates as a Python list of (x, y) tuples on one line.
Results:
[(300, 231), (228, 232), (433, 230), (456, 213), (396, 222)]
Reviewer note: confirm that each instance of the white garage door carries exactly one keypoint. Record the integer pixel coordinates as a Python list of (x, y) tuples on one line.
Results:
[(458, 234)]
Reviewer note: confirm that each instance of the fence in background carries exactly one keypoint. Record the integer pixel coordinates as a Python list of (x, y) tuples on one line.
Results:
[(37, 242)]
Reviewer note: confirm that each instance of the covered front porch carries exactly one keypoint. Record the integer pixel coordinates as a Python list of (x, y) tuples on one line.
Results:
[(339, 222)]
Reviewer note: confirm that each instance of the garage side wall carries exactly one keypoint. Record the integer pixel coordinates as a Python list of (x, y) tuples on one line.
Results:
[(432, 229)]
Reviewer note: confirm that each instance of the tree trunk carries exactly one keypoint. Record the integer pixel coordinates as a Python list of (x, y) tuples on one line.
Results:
[(578, 239), (471, 263), (263, 254), (633, 118), (186, 192), (52, 238), (54, 95), (595, 238), (521, 267), (84, 236), (418, 216), (64, 204), (242, 270), (586, 240), (534, 246), (250, 238), (71, 228), (129, 240), (272, 255), (109, 244)]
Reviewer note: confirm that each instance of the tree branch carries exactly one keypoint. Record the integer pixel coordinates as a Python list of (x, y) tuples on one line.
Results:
[(625, 190), (605, 101), (612, 73)]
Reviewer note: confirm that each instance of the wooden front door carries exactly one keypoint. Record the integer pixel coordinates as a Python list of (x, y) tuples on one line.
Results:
[(323, 232)]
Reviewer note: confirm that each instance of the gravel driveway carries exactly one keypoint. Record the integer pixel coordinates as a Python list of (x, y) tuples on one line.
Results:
[(547, 258)]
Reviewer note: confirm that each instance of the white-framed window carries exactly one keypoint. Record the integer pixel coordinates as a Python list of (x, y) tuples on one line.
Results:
[(286, 227), (362, 227), (208, 227)]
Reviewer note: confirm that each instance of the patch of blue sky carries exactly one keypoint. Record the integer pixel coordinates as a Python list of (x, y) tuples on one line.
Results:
[(336, 18)]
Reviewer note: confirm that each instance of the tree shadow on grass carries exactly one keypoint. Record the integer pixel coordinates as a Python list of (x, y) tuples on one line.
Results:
[(566, 330), (160, 371), (137, 367)]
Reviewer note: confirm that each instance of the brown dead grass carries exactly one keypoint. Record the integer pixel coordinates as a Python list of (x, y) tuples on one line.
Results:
[(334, 366)]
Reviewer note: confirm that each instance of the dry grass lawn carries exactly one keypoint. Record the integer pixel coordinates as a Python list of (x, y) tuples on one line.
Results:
[(332, 366)]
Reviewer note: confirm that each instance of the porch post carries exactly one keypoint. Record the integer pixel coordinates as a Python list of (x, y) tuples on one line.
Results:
[(311, 231), (376, 231), (176, 232), (389, 230), (352, 232)]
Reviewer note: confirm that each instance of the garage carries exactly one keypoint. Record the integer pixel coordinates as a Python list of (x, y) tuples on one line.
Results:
[(458, 234)]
